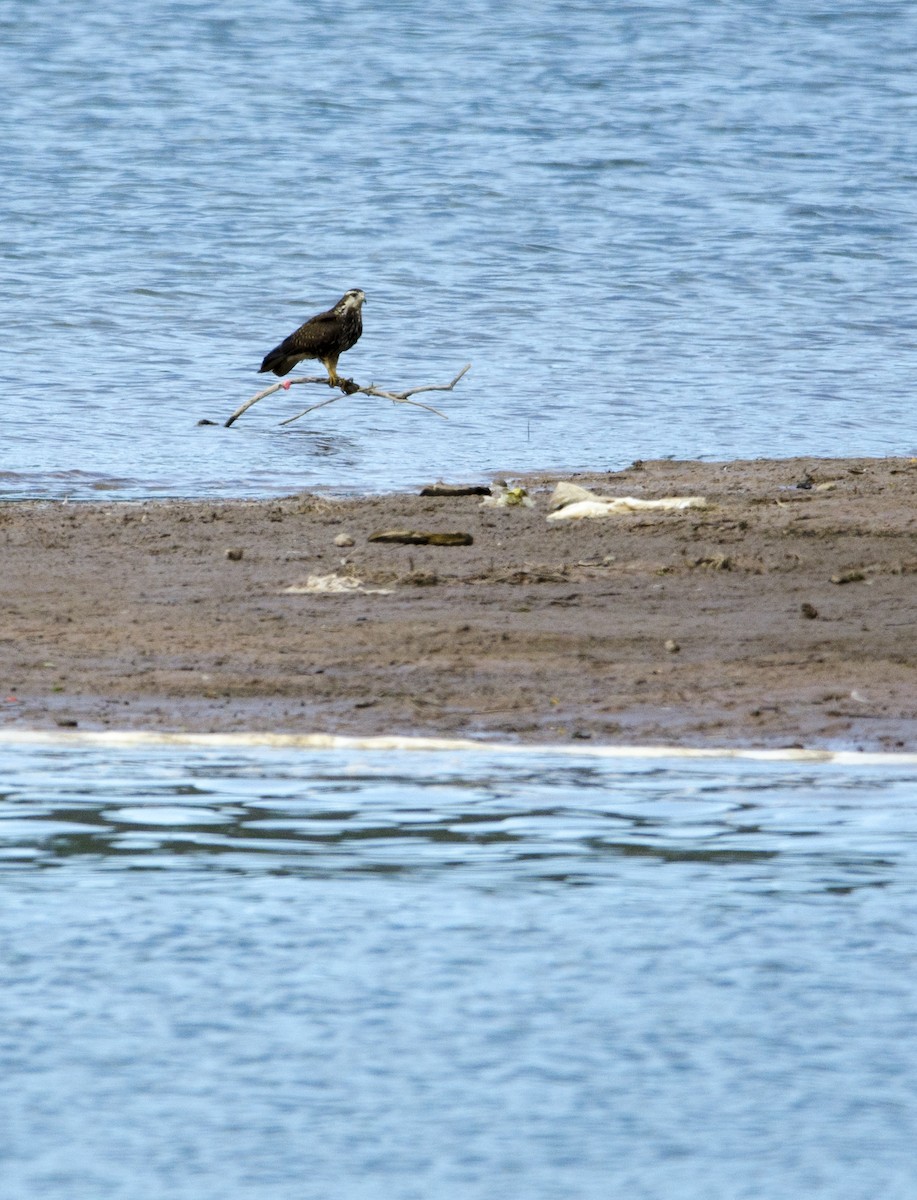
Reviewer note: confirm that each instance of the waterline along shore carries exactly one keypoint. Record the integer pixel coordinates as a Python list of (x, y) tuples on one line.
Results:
[(779, 613)]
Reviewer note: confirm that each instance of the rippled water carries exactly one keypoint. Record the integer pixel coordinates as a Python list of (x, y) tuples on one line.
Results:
[(655, 229), (251, 973)]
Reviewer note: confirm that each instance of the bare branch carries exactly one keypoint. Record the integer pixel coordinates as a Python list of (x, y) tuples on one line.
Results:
[(399, 397), (311, 408), (370, 391), (349, 388), (395, 397), (268, 391)]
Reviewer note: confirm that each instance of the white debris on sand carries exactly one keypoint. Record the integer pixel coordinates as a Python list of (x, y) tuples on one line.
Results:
[(332, 585), (572, 502)]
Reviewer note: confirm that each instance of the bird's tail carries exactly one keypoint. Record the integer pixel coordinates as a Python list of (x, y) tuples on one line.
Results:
[(277, 361)]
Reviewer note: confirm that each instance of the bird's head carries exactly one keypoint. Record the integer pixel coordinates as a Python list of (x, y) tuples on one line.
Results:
[(352, 300)]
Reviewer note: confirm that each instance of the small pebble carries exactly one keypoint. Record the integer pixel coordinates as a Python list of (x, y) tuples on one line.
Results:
[(853, 576), (234, 553), (343, 539), (809, 611), (672, 646)]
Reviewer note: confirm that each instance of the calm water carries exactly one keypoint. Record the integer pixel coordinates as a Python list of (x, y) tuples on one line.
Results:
[(248, 973), (655, 229)]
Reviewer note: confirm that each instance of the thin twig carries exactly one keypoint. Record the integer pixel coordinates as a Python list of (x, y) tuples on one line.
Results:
[(268, 391), (351, 390), (396, 397), (312, 408), (372, 390)]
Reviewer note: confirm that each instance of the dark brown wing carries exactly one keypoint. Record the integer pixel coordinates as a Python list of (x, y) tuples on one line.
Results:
[(319, 337)]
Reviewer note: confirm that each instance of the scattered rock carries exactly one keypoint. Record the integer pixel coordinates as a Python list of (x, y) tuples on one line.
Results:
[(455, 489), (450, 539), (672, 646), (853, 576), (413, 537), (407, 537), (234, 553), (343, 539), (714, 562), (809, 611)]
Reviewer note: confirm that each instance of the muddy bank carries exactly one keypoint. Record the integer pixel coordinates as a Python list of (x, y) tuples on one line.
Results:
[(780, 614)]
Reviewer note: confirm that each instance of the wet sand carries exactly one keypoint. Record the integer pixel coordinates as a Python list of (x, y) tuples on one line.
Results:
[(782, 614)]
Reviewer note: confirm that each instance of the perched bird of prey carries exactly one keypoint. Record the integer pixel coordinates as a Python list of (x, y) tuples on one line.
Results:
[(325, 337)]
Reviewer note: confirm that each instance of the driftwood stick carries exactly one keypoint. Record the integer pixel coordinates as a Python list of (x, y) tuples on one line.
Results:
[(351, 389), (372, 390), (395, 397), (269, 391)]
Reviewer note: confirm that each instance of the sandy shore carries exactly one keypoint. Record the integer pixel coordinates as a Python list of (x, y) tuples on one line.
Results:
[(782, 614)]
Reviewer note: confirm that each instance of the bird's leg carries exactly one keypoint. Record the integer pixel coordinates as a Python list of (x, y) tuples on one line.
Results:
[(331, 366)]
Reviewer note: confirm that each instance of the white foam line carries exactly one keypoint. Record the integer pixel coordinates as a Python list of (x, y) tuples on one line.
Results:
[(327, 741)]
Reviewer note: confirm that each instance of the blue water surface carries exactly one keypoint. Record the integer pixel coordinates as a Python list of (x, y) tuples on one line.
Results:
[(654, 229), (245, 973)]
